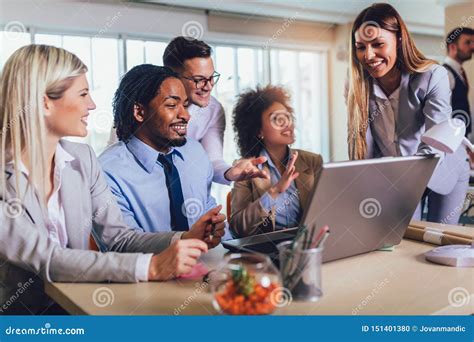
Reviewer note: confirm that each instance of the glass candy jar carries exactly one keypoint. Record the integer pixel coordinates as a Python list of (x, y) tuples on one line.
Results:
[(246, 284)]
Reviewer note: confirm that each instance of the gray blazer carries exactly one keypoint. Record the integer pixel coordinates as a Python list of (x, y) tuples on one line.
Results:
[(424, 100), (29, 258)]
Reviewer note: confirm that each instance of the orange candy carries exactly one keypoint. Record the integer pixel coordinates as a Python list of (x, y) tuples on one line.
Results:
[(257, 303)]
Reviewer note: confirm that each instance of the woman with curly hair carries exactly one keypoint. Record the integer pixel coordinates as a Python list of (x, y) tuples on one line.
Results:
[(264, 124)]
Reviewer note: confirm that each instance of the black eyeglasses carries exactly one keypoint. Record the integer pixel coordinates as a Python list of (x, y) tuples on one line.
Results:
[(201, 82)]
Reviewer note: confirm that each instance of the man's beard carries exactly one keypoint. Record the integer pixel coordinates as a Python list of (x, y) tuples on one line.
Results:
[(464, 58), (162, 142), (177, 142)]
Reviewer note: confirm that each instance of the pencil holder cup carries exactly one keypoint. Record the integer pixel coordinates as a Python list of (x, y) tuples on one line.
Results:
[(301, 271)]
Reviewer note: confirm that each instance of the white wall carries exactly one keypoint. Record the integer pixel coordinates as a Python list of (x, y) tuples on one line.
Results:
[(100, 18)]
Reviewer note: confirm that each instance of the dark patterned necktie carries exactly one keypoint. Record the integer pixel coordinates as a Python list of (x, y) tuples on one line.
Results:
[(466, 82)]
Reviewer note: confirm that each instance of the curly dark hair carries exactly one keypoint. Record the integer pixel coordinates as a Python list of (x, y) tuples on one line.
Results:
[(139, 85), (247, 116), (181, 49)]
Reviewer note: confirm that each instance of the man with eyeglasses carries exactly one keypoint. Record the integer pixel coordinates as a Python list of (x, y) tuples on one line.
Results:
[(191, 59)]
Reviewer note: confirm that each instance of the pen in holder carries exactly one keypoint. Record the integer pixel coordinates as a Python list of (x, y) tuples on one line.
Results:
[(301, 270)]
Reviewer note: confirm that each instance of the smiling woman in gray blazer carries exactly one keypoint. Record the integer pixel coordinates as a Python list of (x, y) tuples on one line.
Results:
[(394, 95), (53, 193)]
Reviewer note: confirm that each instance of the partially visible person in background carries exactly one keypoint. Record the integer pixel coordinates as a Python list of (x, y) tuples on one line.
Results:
[(264, 124), (459, 45)]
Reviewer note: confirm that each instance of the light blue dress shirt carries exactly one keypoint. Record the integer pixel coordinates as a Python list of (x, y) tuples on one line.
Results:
[(137, 179), (287, 204)]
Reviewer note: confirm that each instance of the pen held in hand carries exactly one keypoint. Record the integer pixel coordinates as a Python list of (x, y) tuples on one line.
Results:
[(213, 231)]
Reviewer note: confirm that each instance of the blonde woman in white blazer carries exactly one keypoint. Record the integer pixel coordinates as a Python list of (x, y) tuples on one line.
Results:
[(53, 193)]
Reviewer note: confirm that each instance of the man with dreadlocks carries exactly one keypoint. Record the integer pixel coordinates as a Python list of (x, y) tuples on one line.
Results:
[(161, 179)]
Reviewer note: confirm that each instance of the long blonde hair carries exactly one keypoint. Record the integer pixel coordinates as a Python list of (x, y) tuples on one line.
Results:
[(409, 59), (31, 73)]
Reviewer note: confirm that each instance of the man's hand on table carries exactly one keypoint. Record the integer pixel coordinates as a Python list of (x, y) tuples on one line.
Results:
[(178, 259)]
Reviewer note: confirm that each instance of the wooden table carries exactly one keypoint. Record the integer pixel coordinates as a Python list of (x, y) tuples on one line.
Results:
[(400, 282)]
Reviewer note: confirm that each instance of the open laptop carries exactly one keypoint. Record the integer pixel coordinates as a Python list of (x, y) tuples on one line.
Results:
[(367, 205)]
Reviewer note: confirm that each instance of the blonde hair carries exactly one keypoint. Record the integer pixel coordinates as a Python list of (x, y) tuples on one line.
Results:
[(31, 73), (409, 59)]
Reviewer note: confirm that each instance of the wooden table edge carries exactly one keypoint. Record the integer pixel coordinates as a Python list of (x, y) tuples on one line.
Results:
[(63, 300)]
